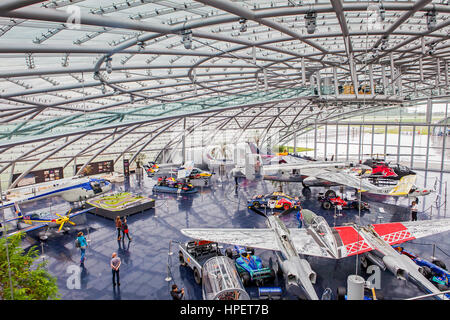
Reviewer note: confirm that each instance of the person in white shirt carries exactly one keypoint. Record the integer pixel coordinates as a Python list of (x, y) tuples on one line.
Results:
[(414, 211)]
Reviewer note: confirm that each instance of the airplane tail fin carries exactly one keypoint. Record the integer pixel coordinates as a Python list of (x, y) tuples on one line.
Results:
[(17, 210), (403, 186)]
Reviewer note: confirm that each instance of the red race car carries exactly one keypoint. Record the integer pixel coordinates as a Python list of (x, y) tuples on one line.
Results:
[(331, 202)]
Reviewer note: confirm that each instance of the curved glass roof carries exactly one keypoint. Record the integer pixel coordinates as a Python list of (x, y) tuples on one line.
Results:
[(90, 79)]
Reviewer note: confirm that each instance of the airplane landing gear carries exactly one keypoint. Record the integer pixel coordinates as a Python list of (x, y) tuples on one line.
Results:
[(306, 192)]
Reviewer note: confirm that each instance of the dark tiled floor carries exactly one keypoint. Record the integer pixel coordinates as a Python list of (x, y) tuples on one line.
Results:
[(146, 262)]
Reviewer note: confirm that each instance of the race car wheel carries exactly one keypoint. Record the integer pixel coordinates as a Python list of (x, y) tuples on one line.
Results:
[(256, 205), (326, 205), (229, 253), (330, 194), (440, 264), (306, 192), (286, 207), (245, 278), (272, 275), (197, 277), (426, 272), (341, 292), (181, 259), (279, 270)]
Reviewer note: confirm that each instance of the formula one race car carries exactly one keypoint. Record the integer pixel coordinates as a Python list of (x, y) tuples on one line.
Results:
[(435, 271), (329, 202), (172, 185), (249, 266), (281, 200), (151, 168)]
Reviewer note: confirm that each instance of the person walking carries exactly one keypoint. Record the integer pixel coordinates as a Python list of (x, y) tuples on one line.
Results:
[(175, 293), (118, 228), (115, 265), (82, 245), (125, 229), (414, 211)]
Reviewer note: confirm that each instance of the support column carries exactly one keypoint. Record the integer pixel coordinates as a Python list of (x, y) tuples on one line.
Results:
[(372, 88), (373, 136), (336, 87), (183, 145), (303, 72), (337, 140), (412, 147), (398, 142), (326, 140), (295, 142), (348, 141), (315, 139), (392, 73)]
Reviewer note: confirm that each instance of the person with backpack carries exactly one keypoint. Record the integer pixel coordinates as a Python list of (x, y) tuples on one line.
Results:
[(82, 244), (125, 229)]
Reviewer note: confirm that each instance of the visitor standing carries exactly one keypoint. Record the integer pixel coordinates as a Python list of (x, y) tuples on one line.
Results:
[(125, 229), (118, 227), (115, 265), (414, 211), (82, 243)]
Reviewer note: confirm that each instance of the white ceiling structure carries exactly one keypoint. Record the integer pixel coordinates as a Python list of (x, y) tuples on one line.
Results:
[(89, 78)]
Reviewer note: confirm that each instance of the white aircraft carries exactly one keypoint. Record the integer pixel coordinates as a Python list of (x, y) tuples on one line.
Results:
[(296, 269), (70, 189), (327, 174), (320, 240)]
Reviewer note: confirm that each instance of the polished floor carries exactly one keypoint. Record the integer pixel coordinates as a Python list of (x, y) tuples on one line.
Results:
[(146, 264)]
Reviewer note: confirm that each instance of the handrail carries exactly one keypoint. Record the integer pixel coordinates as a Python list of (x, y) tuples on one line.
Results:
[(429, 295)]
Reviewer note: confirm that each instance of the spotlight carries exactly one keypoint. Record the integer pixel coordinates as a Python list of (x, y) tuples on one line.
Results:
[(141, 45), (310, 21), (187, 38), (243, 23), (382, 12), (431, 19), (131, 98), (108, 65), (384, 43), (96, 75), (431, 49)]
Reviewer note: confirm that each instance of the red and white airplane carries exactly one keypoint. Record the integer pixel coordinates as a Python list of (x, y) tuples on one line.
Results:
[(318, 239)]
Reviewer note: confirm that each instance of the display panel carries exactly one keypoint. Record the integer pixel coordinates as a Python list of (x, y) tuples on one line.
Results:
[(97, 167), (39, 176)]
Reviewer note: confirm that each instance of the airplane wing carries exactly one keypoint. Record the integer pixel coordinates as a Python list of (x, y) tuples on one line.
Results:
[(393, 233), (27, 229), (343, 178), (303, 165), (259, 238), (399, 232), (74, 214), (256, 238)]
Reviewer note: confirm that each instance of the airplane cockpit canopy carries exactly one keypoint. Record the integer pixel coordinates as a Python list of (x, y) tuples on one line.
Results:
[(220, 280)]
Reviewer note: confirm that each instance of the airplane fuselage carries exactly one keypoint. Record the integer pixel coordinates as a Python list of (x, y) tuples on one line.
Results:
[(296, 269), (71, 191), (400, 265)]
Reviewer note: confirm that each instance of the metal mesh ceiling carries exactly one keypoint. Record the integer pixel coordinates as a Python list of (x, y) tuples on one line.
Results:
[(87, 78)]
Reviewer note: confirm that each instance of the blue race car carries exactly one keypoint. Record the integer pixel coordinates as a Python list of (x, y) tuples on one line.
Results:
[(435, 271), (249, 266)]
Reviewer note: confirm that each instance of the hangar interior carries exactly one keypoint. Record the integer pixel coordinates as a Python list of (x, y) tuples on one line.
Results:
[(103, 88)]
